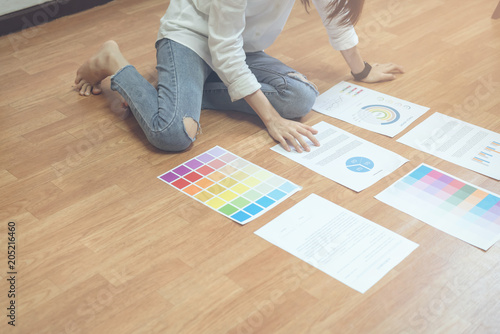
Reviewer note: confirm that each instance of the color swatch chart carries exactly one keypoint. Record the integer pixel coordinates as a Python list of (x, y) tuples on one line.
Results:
[(229, 184), (449, 204)]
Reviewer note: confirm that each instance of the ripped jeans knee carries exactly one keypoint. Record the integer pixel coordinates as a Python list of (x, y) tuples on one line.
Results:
[(177, 137), (191, 127)]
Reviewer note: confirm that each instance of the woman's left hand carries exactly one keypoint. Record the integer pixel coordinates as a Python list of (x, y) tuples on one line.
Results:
[(383, 72)]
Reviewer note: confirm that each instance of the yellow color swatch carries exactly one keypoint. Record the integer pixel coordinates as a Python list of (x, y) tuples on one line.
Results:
[(228, 195), (263, 174), (204, 196), (240, 188), (215, 203), (228, 182), (250, 169), (239, 175), (216, 189), (251, 181)]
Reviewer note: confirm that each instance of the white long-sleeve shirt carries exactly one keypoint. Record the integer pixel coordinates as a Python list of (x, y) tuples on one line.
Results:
[(221, 31)]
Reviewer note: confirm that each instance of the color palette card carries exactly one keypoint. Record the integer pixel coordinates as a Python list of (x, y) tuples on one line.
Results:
[(447, 203), (230, 185)]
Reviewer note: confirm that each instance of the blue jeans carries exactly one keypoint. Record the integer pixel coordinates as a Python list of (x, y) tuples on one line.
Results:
[(186, 84)]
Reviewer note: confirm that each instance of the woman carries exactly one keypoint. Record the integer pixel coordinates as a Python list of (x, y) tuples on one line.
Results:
[(209, 56)]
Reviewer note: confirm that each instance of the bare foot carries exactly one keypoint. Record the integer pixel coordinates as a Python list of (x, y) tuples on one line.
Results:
[(107, 61)]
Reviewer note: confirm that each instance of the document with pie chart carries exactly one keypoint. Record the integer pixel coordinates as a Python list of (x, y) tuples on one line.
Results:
[(368, 109), (345, 158)]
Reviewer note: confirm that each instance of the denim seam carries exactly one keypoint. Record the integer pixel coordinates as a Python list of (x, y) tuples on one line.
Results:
[(172, 61), (123, 92), (222, 91), (175, 110)]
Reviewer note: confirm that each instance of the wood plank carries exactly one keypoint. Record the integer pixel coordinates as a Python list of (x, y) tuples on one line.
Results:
[(105, 246)]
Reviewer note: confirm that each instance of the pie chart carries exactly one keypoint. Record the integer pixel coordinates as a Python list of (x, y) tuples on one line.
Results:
[(379, 114), (359, 164)]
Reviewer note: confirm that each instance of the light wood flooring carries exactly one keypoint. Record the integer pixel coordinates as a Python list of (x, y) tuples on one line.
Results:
[(103, 246)]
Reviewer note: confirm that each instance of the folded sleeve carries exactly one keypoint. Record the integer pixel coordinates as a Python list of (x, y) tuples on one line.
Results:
[(341, 37), (226, 22)]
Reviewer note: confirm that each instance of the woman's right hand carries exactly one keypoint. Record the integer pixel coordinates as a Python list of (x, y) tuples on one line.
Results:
[(287, 131), (279, 128)]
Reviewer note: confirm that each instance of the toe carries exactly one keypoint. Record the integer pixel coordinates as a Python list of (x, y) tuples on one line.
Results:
[(88, 90), (79, 84), (96, 89), (83, 89)]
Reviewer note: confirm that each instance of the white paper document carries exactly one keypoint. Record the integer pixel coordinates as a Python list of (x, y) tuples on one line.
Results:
[(459, 142), (451, 205), (345, 158), (368, 109), (344, 245)]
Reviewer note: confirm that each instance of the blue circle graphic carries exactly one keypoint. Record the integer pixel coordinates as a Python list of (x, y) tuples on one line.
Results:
[(359, 164)]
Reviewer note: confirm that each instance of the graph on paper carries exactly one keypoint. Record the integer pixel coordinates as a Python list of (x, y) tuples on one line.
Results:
[(345, 158), (459, 142), (368, 109), (489, 153), (379, 114), (359, 164)]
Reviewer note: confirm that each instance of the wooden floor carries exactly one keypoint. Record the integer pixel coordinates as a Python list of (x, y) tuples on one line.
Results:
[(103, 246)]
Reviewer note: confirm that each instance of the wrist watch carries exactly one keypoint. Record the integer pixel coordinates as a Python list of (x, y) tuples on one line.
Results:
[(363, 74)]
